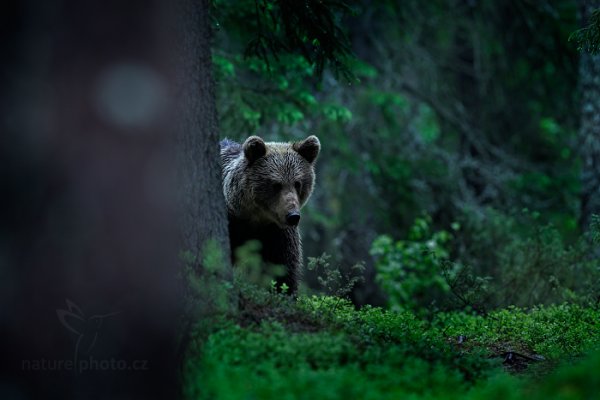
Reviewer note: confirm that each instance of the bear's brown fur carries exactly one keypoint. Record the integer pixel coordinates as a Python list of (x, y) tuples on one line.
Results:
[(265, 185)]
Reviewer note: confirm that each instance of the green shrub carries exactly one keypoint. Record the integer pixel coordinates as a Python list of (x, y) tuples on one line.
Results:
[(570, 382), (410, 272), (555, 332), (543, 269), (505, 261), (321, 347), (332, 279), (369, 353)]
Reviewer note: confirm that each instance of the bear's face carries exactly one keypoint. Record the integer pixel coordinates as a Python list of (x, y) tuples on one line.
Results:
[(279, 178)]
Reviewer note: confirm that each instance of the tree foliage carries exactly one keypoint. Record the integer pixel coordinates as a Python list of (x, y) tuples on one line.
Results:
[(588, 37), (465, 111), (309, 28)]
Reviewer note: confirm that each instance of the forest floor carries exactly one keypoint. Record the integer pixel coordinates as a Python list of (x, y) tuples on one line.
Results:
[(321, 347)]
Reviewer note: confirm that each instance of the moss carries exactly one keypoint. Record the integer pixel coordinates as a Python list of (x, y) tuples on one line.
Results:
[(323, 348)]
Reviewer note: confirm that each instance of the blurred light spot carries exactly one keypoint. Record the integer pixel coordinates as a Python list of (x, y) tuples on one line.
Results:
[(130, 95)]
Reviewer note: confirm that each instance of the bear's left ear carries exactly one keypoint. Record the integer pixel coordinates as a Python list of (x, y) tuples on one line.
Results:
[(308, 148), (254, 148)]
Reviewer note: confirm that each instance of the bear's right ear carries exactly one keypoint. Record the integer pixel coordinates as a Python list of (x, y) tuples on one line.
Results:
[(254, 148)]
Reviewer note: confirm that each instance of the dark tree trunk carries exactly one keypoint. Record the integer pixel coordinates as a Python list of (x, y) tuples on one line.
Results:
[(202, 222), (204, 218), (87, 225), (589, 130), (86, 242)]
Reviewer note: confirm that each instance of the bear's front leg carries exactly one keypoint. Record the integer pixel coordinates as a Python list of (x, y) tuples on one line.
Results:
[(291, 250)]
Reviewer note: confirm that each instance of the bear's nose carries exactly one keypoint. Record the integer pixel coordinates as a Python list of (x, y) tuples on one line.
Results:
[(292, 218)]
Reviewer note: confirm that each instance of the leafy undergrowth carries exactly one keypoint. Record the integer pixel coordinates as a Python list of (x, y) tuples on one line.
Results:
[(322, 348)]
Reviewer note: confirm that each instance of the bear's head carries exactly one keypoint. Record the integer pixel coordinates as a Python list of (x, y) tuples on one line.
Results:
[(276, 180)]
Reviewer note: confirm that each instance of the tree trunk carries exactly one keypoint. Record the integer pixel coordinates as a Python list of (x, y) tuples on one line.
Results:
[(86, 235), (589, 130), (87, 226), (204, 219), (204, 239)]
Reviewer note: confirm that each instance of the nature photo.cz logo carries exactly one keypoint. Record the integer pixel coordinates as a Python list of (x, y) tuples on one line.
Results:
[(86, 330)]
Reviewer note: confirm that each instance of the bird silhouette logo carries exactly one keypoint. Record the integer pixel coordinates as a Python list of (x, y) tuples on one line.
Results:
[(85, 328)]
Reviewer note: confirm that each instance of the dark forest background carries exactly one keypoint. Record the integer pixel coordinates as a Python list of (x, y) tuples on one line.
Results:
[(471, 122)]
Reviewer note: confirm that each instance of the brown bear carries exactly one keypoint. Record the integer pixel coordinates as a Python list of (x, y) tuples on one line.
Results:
[(265, 186)]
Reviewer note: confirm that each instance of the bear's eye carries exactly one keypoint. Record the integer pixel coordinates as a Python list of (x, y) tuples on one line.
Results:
[(298, 185), (276, 186)]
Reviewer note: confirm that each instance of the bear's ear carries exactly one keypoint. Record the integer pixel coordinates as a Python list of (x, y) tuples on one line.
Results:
[(308, 148), (254, 148)]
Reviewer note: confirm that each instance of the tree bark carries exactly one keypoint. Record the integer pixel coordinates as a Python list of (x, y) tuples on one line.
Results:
[(87, 226), (589, 130), (204, 218)]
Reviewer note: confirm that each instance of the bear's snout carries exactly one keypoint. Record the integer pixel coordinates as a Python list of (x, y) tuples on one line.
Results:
[(292, 218)]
